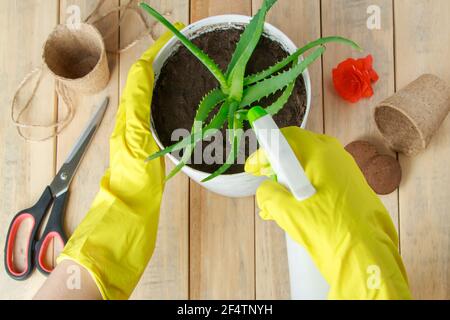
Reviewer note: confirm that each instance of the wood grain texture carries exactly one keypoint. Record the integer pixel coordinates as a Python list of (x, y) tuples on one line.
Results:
[(352, 122), (423, 46), (85, 184), (222, 246), (222, 260), (220, 251), (167, 276), (206, 8), (25, 167), (300, 21)]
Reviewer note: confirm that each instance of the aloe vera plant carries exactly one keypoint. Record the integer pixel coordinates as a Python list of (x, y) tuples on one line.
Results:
[(237, 92)]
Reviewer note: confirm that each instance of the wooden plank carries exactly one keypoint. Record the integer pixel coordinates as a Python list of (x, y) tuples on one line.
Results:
[(25, 167), (205, 8), (423, 46), (167, 276), (351, 122), (85, 184), (300, 21), (221, 229), (222, 246)]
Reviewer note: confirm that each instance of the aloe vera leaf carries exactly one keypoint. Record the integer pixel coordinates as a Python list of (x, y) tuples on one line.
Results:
[(231, 115), (244, 50), (175, 147), (198, 135), (197, 52), (219, 119), (242, 114), (209, 101), (183, 161), (271, 85), (207, 104), (216, 123), (283, 63), (204, 109), (242, 44), (281, 101), (237, 136), (186, 156), (276, 107)]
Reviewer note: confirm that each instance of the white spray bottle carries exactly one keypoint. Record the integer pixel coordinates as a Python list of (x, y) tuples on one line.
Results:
[(305, 279)]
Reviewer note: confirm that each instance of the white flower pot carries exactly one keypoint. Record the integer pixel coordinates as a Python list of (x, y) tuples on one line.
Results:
[(229, 185), (306, 281)]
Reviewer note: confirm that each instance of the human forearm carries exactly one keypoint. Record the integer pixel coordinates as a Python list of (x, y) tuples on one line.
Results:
[(69, 281)]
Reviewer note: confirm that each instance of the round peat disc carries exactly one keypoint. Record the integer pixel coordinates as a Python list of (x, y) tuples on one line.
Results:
[(383, 173), (362, 151)]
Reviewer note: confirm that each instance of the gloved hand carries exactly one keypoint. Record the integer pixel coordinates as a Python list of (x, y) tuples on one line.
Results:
[(344, 226), (116, 239)]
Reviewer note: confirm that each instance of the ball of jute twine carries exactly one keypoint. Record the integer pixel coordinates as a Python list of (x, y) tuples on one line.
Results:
[(66, 87)]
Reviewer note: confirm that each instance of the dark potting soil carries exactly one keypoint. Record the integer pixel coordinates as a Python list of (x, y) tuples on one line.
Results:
[(184, 81)]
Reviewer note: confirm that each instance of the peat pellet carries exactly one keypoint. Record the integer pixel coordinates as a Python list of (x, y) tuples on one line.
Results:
[(409, 119), (383, 173), (362, 151)]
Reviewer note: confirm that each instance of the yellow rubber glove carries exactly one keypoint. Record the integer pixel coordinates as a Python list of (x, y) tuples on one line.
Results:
[(344, 226), (116, 239)]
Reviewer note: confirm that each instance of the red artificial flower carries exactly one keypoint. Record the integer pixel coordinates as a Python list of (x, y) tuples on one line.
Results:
[(353, 78)]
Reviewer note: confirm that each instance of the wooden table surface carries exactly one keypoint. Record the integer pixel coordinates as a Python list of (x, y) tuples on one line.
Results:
[(210, 247)]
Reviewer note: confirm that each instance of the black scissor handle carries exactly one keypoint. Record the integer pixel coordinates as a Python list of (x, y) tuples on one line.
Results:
[(54, 230), (36, 215)]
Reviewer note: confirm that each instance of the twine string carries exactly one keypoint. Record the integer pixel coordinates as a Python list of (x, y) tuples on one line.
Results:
[(63, 90), (131, 6)]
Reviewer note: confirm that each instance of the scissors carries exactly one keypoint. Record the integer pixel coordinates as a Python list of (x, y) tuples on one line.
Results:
[(57, 194)]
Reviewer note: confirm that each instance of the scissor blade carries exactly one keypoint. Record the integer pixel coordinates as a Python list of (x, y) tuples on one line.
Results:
[(62, 181), (86, 137)]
